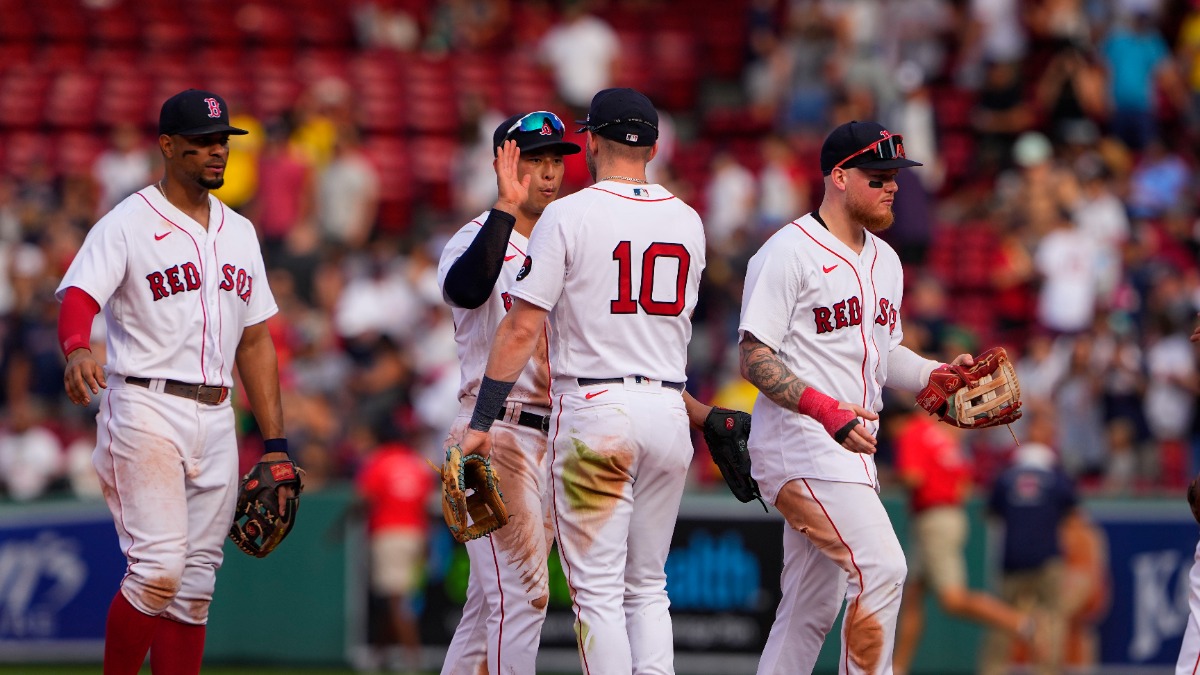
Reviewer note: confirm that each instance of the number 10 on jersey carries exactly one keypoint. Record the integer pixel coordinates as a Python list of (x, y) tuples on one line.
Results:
[(625, 302)]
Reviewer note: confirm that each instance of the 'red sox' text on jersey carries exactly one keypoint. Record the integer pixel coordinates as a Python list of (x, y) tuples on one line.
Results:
[(152, 266)]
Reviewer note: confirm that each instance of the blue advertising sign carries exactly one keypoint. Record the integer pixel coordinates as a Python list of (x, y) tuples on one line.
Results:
[(1151, 549), (59, 568)]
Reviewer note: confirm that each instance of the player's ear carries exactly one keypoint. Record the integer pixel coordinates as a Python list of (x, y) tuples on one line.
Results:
[(653, 152), (166, 145), (838, 176)]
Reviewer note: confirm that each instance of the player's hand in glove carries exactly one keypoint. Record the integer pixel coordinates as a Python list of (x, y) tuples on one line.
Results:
[(471, 500), (974, 393), (267, 504), (1194, 498), (725, 432)]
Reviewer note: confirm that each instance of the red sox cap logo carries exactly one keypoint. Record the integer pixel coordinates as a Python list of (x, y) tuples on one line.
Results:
[(214, 107), (547, 130)]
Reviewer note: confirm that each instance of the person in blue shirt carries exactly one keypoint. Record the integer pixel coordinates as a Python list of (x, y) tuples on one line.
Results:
[(1032, 498)]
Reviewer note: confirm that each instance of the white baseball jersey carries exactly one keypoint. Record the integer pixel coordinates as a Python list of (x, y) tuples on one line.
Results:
[(474, 328), (832, 316), (628, 311), (175, 295)]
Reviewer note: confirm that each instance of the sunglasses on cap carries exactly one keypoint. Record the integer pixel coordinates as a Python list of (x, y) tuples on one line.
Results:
[(537, 121), (889, 147)]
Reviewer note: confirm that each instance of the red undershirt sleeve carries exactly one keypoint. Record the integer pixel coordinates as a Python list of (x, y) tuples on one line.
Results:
[(75, 320)]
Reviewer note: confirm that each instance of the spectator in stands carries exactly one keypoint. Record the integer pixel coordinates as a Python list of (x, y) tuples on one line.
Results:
[(1001, 113), (1032, 499), (1068, 262), (930, 462), (395, 484), (347, 198), (1071, 92), (582, 52), (782, 193), (31, 456), (1172, 384), (1160, 181), (284, 190), (731, 197), (1100, 215), (122, 169), (1138, 62), (1079, 408), (474, 179)]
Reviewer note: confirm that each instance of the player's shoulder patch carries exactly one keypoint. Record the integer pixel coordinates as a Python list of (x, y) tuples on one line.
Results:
[(525, 267)]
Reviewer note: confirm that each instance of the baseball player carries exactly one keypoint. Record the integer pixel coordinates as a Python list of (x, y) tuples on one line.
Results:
[(616, 268), (508, 587), (185, 297), (1188, 662), (820, 337)]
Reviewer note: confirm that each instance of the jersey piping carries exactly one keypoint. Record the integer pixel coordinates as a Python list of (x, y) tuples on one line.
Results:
[(862, 331), (203, 285), (632, 199)]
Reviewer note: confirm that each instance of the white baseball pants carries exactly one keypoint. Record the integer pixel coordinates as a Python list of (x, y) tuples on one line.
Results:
[(509, 585), (168, 470), (839, 545), (620, 456)]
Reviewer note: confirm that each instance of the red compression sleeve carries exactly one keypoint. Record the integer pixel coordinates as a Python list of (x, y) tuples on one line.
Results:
[(825, 410), (75, 320)]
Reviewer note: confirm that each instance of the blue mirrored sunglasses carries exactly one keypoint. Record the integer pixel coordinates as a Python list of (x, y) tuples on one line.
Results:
[(541, 121)]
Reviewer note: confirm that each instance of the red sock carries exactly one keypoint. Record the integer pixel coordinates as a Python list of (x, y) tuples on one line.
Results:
[(127, 637), (178, 648)]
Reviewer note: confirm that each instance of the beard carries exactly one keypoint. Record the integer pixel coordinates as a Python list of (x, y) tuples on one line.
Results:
[(862, 211), (211, 183), (589, 160)]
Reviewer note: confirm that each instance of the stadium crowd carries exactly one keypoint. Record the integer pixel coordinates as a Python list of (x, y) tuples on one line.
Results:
[(1055, 213)]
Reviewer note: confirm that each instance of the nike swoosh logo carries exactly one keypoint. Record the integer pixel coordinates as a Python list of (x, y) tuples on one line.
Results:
[(827, 270), (509, 257), (160, 237), (593, 394)]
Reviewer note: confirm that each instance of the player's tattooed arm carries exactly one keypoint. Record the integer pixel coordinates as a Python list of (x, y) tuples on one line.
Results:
[(763, 368)]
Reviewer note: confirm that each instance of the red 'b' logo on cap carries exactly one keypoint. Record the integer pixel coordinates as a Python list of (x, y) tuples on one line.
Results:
[(214, 107), (546, 130)]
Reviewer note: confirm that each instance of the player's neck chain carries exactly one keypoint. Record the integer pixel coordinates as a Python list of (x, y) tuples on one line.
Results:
[(631, 180), (161, 191)]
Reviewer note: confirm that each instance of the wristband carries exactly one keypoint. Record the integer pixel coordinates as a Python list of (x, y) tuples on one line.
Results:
[(824, 409), (275, 445), (75, 342), (489, 402)]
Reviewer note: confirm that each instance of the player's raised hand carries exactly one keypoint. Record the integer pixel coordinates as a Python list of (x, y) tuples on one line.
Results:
[(476, 442), (83, 377), (512, 189)]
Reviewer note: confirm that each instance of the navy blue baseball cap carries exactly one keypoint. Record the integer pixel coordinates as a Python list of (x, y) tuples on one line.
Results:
[(534, 131), (622, 115), (865, 145), (195, 113)]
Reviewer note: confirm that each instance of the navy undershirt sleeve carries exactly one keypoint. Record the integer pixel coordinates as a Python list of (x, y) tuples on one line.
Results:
[(470, 280)]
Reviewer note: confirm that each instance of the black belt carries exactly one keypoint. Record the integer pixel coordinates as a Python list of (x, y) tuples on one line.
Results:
[(587, 381), (528, 419), (201, 393)]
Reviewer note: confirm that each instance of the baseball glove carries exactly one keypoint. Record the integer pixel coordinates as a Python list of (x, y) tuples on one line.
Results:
[(725, 432), (260, 522), (986, 394), (484, 503), (1193, 498)]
